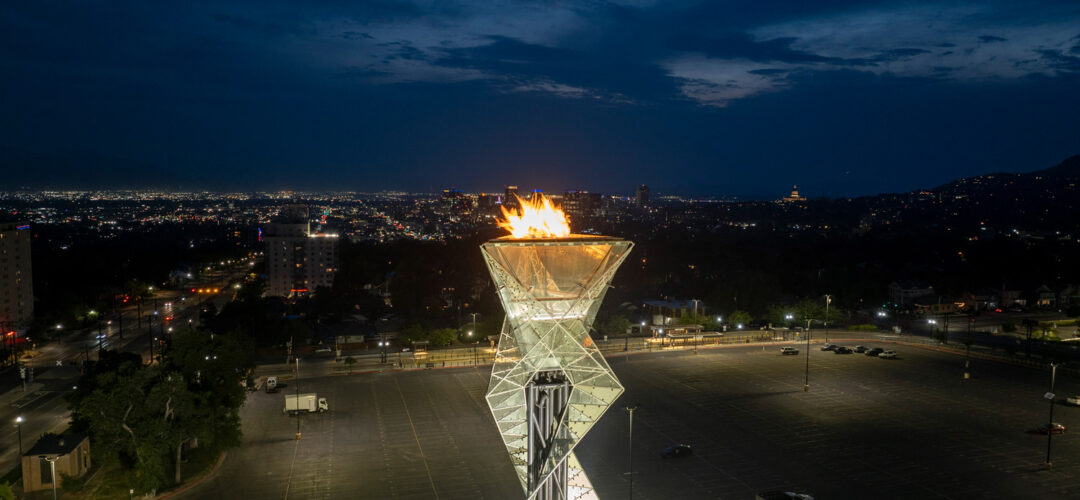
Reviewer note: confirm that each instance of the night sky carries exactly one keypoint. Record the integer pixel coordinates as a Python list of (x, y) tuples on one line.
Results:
[(725, 98)]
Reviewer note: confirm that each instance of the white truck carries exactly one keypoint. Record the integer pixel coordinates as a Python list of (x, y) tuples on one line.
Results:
[(308, 403)]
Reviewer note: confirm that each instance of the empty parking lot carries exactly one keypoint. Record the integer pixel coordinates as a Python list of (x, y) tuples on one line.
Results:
[(868, 428)]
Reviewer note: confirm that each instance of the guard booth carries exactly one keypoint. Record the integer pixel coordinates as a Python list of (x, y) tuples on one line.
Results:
[(55, 453)]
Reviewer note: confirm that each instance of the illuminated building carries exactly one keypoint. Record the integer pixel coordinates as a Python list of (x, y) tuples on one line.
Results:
[(580, 205), (298, 259), (16, 277), (794, 196)]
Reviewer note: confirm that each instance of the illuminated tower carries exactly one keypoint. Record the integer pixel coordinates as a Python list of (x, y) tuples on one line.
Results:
[(550, 383)]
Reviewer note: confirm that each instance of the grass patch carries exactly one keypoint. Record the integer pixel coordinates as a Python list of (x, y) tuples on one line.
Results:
[(111, 482)]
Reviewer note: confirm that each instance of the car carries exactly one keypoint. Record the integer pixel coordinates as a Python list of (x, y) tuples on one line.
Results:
[(828, 347), (861, 348), (887, 355), (1052, 428), (1073, 400), (874, 351), (789, 350), (323, 348), (676, 451), (842, 350)]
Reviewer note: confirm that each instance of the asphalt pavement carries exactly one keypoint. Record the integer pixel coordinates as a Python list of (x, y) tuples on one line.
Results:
[(867, 428)]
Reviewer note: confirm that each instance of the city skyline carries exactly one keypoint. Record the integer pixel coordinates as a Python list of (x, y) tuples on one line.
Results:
[(689, 98)]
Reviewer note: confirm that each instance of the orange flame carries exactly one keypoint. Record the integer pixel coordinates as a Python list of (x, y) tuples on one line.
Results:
[(537, 218)]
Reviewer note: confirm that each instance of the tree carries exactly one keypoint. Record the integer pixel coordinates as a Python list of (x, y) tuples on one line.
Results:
[(738, 317), (616, 325), (350, 361), (809, 310)]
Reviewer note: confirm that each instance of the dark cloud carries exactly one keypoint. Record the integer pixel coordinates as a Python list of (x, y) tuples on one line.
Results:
[(992, 39), (1059, 60), (521, 62), (742, 46)]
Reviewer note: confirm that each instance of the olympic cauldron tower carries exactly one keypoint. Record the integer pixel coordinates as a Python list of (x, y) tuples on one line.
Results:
[(549, 383)]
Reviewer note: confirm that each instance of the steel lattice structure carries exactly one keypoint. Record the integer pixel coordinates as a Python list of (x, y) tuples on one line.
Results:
[(550, 383)]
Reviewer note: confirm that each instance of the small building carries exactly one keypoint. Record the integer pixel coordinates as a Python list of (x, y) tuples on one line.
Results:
[(668, 312), (71, 452), (932, 305)]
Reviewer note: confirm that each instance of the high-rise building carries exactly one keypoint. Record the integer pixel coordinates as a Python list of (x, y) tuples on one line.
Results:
[(510, 197), (642, 195), (16, 278), (581, 205), (298, 260)]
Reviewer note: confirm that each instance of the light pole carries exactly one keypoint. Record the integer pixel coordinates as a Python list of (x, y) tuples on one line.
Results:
[(806, 383), (1050, 425), (298, 397), (18, 425), (828, 300), (631, 409), (52, 472)]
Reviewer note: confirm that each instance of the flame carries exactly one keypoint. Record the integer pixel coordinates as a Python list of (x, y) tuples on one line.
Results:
[(537, 218)]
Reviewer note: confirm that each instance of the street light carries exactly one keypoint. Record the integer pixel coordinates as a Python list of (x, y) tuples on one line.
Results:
[(806, 383), (1050, 425), (52, 472), (18, 425), (630, 409), (298, 397)]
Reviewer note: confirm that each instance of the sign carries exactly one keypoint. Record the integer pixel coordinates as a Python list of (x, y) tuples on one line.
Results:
[(1049, 396)]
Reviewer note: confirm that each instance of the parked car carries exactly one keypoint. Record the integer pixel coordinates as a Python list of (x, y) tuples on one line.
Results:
[(1052, 428), (828, 347), (323, 348), (676, 451), (874, 351), (789, 350), (1073, 400), (842, 350), (860, 348), (887, 355)]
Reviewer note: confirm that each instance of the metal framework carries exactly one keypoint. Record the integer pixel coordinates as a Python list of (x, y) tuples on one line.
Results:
[(550, 383)]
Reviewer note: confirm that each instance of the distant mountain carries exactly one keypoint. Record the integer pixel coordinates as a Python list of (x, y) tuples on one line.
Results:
[(1068, 168), (24, 168)]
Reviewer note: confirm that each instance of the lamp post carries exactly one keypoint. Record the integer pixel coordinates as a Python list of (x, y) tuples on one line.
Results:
[(806, 383), (1050, 424), (828, 300), (298, 397), (52, 472), (18, 425), (630, 455)]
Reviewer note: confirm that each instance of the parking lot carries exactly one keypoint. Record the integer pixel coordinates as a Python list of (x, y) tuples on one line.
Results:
[(912, 427)]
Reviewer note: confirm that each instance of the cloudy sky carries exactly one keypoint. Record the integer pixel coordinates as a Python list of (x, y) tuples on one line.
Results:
[(727, 98)]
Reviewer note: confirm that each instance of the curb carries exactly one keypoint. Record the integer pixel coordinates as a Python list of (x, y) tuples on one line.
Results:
[(189, 485)]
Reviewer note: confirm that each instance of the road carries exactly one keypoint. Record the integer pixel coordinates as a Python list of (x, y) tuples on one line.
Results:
[(868, 428), (55, 369)]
